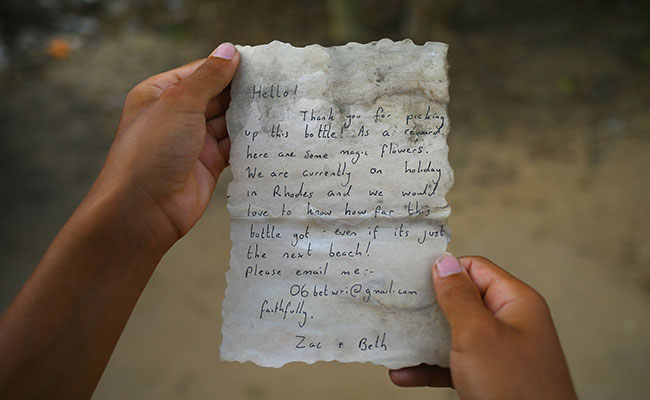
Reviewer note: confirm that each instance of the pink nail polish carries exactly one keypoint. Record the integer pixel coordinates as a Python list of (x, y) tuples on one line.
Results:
[(225, 51), (449, 265)]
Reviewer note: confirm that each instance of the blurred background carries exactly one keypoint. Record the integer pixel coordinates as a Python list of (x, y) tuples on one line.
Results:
[(550, 105)]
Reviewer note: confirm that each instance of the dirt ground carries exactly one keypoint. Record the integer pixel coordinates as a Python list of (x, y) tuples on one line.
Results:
[(550, 144)]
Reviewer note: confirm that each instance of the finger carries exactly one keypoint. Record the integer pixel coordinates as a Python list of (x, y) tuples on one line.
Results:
[(212, 155), (224, 149), (422, 375), (193, 93), (151, 88), (166, 79), (218, 105), (217, 127), (505, 296), (485, 273), (147, 91), (457, 295)]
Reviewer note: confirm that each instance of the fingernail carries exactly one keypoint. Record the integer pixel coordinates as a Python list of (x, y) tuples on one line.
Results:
[(225, 51), (449, 265)]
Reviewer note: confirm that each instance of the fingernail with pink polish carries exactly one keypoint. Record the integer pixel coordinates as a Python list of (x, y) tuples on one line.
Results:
[(225, 51), (449, 265)]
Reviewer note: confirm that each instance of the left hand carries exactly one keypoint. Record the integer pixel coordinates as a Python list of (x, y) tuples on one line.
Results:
[(170, 148), (171, 145)]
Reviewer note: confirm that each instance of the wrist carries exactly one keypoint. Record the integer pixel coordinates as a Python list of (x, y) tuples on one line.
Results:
[(128, 221)]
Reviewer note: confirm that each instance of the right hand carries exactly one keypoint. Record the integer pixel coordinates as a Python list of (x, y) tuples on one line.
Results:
[(504, 343)]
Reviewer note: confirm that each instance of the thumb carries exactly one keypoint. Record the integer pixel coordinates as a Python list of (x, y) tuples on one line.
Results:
[(195, 91), (457, 295)]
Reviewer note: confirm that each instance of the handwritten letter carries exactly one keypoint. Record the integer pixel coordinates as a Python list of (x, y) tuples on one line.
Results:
[(339, 159)]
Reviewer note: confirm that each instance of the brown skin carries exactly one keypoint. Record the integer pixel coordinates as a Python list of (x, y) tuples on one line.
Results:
[(504, 343), (170, 147)]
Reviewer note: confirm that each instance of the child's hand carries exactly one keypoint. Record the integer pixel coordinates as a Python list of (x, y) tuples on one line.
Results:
[(170, 148), (171, 145), (504, 344)]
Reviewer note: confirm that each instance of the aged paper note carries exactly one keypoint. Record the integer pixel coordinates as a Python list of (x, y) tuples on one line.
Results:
[(340, 170)]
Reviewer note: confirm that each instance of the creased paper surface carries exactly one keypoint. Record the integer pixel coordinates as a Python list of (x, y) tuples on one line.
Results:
[(340, 170)]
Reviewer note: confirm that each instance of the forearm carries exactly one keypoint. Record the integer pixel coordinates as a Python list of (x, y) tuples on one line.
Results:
[(57, 336), (170, 147)]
